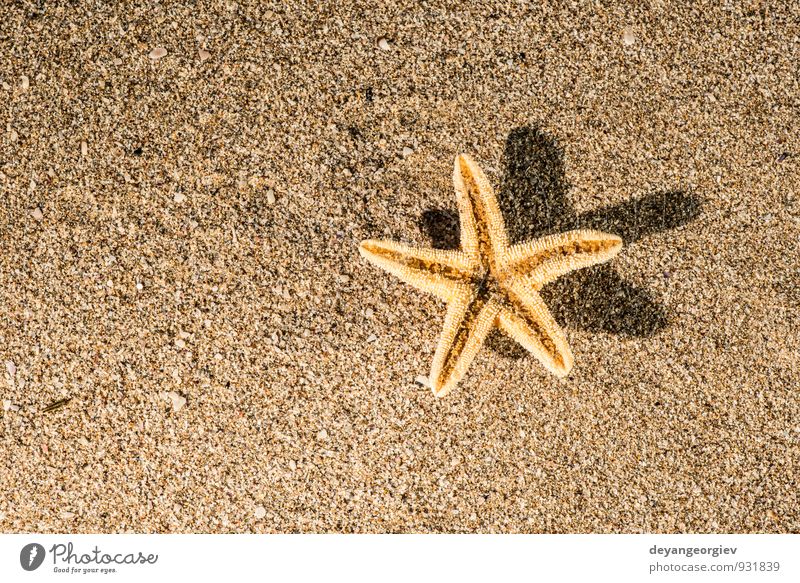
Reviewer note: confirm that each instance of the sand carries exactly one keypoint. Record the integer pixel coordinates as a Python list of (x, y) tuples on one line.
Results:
[(182, 193)]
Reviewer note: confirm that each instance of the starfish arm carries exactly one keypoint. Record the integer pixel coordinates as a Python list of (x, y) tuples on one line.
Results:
[(543, 260), (483, 231), (527, 320), (468, 321), (439, 272)]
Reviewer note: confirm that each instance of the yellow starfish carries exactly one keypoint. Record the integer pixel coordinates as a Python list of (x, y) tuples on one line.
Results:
[(490, 283)]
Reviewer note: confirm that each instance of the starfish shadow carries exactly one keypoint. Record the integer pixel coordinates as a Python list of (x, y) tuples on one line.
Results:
[(533, 199)]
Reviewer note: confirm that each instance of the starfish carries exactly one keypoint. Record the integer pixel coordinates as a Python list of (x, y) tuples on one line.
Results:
[(490, 283)]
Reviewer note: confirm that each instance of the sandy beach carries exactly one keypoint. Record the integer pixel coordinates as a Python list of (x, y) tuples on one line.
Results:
[(190, 342)]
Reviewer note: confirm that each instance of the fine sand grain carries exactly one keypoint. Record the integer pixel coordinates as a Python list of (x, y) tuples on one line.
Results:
[(183, 187)]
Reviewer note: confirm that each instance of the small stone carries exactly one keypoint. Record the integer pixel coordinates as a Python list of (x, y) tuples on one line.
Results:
[(407, 152), (83, 441), (179, 197), (368, 312), (2, 515), (372, 338), (183, 334), (204, 55), (11, 368), (139, 286), (180, 344), (628, 38), (270, 197), (109, 283), (177, 400), (343, 278), (117, 61), (7, 404), (26, 83), (217, 356), (66, 515), (772, 515), (158, 53), (37, 214), (84, 149), (292, 465), (260, 512), (422, 381), (14, 136), (323, 434), (383, 44)]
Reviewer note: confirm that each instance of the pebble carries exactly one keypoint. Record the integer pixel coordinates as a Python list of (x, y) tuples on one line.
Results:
[(323, 434), (270, 197), (180, 344), (83, 441), (628, 38), (11, 368), (7, 404), (14, 136), (26, 83), (368, 312), (372, 338), (422, 381), (37, 214), (260, 512), (84, 149), (407, 152), (292, 465), (66, 515), (383, 44), (179, 197), (204, 55), (772, 515), (117, 61), (158, 53), (178, 401), (139, 286)]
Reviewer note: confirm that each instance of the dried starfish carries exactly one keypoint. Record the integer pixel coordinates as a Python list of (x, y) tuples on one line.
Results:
[(489, 282)]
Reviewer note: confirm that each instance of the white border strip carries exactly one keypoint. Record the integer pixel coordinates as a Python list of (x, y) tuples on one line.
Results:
[(377, 558)]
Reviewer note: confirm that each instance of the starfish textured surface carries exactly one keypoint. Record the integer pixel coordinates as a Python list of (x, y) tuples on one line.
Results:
[(488, 282)]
